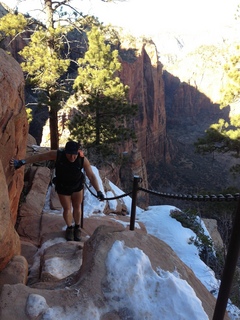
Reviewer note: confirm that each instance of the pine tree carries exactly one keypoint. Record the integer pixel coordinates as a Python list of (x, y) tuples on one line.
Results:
[(44, 65), (45, 68), (104, 115)]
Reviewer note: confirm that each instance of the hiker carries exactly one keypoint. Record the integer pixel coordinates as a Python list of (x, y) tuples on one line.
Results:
[(69, 182)]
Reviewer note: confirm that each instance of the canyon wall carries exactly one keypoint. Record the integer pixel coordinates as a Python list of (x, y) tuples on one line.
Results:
[(142, 72), (13, 135)]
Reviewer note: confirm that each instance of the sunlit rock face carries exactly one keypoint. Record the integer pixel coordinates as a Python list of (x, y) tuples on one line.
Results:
[(13, 137), (142, 72)]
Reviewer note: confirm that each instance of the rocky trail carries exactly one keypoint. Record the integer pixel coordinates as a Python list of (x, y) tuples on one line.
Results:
[(68, 280)]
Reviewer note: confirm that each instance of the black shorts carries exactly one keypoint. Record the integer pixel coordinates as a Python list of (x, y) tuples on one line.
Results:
[(68, 190)]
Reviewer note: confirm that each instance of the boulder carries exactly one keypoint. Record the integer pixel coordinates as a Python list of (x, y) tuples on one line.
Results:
[(31, 210), (28, 250), (13, 137), (15, 272), (9, 239), (211, 225)]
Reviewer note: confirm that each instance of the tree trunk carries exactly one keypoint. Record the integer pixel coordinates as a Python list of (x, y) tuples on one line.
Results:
[(97, 124), (49, 13), (53, 113), (53, 126)]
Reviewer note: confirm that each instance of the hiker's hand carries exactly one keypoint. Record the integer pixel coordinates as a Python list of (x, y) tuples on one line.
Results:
[(100, 196), (17, 163)]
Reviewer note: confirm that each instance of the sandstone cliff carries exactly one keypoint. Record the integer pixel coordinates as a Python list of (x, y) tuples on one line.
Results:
[(142, 72), (13, 135)]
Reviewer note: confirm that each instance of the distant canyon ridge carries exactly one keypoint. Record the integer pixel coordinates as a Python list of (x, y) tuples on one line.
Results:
[(177, 102)]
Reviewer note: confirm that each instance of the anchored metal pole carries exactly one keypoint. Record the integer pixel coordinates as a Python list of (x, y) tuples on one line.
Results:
[(134, 201), (82, 207), (229, 269)]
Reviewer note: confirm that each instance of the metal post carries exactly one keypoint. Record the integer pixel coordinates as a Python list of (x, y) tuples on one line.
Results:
[(229, 269), (82, 207), (134, 201)]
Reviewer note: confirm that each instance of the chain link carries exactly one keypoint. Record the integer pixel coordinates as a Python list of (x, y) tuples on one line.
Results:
[(112, 198), (194, 197)]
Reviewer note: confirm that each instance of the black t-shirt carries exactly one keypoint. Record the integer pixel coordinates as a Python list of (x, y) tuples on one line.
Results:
[(68, 173)]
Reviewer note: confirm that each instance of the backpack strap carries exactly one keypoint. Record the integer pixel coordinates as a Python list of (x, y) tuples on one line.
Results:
[(59, 155)]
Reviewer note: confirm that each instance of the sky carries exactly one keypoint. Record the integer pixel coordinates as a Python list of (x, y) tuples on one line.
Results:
[(155, 289), (143, 17)]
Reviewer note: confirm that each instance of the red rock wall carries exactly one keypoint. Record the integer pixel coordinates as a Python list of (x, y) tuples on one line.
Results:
[(144, 78), (13, 137)]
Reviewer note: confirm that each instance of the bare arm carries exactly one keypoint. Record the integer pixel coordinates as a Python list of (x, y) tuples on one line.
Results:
[(38, 157), (90, 174), (45, 156)]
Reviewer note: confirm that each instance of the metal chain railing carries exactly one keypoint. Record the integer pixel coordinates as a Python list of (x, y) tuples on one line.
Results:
[(112, 198), (194, 197), (191, 197)]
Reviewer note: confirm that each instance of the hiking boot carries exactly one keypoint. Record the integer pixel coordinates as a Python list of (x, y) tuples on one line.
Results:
[(69, 234), (77, 234)]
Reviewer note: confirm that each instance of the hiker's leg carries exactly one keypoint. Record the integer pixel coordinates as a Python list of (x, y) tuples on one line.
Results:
[(77, 198), (67, 208)]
